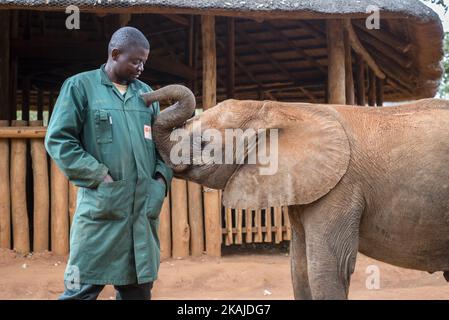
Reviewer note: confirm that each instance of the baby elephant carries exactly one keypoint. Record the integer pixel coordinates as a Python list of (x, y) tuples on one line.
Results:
[(374, 180)]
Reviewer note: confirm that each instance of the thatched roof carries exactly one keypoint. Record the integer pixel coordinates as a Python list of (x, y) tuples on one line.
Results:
[(414, 73)]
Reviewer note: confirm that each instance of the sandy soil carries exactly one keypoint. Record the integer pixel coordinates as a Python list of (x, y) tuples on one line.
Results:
[(234, 276)]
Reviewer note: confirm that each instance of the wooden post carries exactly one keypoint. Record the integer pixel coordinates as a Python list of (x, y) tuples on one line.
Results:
[(230, 58), (41, 194), (249, 225), (165, 229), (4, 63), (288, 232), (349, 84), (20, 223), (278, 224), (379, 92), (196, 219), (229, 234), (26, 99), (59, 211), (238, 226), (40, 104), (180, 224), (268, 235), (371, 88), (360, 81), (336, 52), (212, 201), (259, 236), (73, 191), (5, 192)]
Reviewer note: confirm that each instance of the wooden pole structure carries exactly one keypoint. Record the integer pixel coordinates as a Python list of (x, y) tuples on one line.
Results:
[(4, 64), (40, 104), (180, 219), (249, 225), (379, 92), (20, 223), (164, 230), (349, 84), (26, 99), (59, 211), (5, 193), (196, 218), (230, 54), (22, 132), (73, 192), (371, 88), (360, 81), (41, 199), (336, 64), (212, 201)]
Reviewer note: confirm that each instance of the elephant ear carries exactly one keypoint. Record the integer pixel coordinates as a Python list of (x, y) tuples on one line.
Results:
[(313, 155)]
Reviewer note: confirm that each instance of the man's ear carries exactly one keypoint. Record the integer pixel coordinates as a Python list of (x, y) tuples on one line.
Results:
[(115, 54)]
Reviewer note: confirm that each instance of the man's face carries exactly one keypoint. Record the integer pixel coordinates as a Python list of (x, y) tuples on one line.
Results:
[(129, 62)]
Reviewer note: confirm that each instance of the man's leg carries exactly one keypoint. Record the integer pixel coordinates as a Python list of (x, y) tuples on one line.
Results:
[(134, 291), (84, 292)]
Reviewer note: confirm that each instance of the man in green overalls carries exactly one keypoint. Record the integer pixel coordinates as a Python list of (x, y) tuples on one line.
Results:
[(100, 137)]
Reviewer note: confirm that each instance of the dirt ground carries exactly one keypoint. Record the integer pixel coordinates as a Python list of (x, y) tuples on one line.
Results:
[(238, 275)]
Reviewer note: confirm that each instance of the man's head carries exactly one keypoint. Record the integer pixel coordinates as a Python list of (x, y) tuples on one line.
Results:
[(128, 51)]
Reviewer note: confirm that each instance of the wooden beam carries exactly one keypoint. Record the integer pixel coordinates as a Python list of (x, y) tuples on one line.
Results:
[(358, 47), (22, 132), (212, 198), (360, 80), (293, 46), (86, 51), (26, 99), (371, 88), (379, 92), (349, 83), (273, 61), (179, 19), (386, 37), (336, 64), (4, 64), (230, 57), (40, 104)]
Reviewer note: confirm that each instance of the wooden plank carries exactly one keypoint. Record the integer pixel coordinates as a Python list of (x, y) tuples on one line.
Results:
[(26, 99), (21, 132), (5, 192), (73, 192), (196, 219), (268, 232), (336, 64), (59, 203), (360, 81), (180, 219), (228, 222), (20, 223), (258, 224), (288, 232), (164, 230), (238, 226), (371, 88), (249, 225), (379, 92), (278, 224), (230, 58), (4, 64), (41, 193), (212, 199), (349, 84)]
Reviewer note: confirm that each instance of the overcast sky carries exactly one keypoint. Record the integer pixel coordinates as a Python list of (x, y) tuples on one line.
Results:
[(440, 10)]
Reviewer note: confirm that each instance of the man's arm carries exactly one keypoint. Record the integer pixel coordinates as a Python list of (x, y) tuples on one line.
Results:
[(63, 141), (162, 170)]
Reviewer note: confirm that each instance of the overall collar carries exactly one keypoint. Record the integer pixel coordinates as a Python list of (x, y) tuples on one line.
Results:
[(107, 82)]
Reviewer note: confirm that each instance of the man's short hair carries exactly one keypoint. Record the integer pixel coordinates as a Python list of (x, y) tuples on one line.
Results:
[(127, 37)]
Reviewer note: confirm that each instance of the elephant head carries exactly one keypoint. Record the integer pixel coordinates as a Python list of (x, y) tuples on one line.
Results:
[(312, 148)]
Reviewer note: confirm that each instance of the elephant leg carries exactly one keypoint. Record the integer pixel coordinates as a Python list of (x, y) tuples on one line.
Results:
[(331, 232), (300, 279)]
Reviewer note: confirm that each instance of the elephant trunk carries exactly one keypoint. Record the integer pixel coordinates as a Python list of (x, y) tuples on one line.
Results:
[(171, 118)]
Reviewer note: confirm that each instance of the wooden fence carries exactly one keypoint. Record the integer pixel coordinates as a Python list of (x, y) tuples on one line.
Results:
[(37, 204)]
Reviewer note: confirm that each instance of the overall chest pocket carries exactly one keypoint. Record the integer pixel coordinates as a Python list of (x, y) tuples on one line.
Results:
[(103, 126)]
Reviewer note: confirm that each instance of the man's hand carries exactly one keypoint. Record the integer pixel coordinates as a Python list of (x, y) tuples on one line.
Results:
[(108, 179)]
